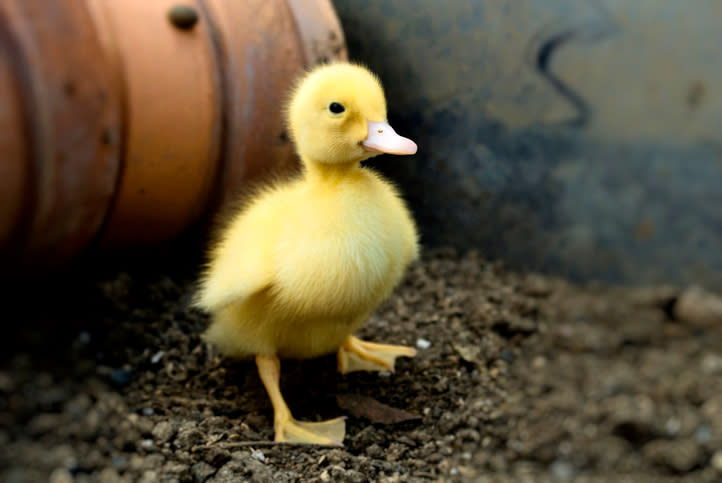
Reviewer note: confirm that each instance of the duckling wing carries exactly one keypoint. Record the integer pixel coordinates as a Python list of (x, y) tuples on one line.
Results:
[(241, 262)]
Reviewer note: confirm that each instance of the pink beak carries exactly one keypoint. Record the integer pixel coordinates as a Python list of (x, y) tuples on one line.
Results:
[(383, 139)]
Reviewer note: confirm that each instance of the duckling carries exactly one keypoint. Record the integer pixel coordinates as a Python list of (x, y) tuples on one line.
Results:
[(305, 261)]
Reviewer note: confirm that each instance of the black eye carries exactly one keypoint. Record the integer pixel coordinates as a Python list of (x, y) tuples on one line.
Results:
[(336, 108)]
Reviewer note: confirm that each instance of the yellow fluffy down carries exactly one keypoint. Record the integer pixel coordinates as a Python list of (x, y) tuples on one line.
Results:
[(305, 261)]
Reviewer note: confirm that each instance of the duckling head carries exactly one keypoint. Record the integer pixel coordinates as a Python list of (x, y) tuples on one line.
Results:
[(337, 115)]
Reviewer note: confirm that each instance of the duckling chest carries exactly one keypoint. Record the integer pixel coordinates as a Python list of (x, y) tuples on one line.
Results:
[(342, 253)]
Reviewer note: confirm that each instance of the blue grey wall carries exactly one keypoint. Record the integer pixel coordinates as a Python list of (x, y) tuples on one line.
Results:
[(575, 137)]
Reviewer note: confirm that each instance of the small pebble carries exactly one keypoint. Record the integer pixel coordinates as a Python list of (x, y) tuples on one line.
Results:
[(202, 471), (423, 344), (60, 475), (148, 411), (562, 470), (147, 443), (6, 382), (507, 356), (703, 434), (157, 357), (679, 455), (119, 462), (163, 432), (672, 426), (258, 455), (716, 461), (712, 364), (121, 377)]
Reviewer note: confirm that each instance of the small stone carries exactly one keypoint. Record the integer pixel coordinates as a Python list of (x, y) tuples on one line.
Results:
[(119, 462), (60, 475), (678, 455), (146, 443), (699, 308), (175, 469), (108, 475), (144, 425), (230, 472), (153, 461), (337, 472), (121, 377), (712, 364), (562, 470), (157, 357), (716, 461), (43, 423), (353, 476), (255, 421), (423, 344), (536, 286), (163, 432), (189, 435), (703, 434), (672, 426), (6, 382), (258, 456), (374, 451), (507, 356), (217, 457), (467, 352), (202, 471), (336, 456), (149, 476), (148, 411)]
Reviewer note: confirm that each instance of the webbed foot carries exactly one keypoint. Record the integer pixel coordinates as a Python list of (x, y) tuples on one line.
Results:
[(358, 355), (287, 429), (329, 433)]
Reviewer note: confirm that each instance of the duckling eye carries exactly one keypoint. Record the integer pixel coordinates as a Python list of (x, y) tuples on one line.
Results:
[(336, 108)]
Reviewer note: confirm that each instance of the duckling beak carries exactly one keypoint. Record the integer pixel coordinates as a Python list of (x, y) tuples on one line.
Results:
[(383, 139)]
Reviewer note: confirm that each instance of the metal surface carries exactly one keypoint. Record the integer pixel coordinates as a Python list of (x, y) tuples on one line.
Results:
[(13, 145), (574, 137), (172, 98), (123, 122), (60, 125), (260, 63)]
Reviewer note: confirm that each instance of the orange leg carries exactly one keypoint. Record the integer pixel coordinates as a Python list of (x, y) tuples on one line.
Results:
[(358, 355), (287, 429)]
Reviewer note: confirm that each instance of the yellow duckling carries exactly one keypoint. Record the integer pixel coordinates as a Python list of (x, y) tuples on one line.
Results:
[(306, 261)]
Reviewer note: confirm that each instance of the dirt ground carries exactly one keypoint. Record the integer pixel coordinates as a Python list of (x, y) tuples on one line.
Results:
[(518, 377)]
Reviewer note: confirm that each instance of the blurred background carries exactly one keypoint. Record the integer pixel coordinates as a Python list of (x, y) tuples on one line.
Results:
[(577, 138), (571, 138)]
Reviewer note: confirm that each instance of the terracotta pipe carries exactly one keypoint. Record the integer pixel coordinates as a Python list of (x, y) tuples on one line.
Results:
[(121, 123)]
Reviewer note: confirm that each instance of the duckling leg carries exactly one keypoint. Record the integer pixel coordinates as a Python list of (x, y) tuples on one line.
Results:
[(287, 429), (358, 355)]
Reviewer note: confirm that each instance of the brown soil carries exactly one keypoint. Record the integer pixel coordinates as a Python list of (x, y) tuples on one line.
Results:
[(525, 378)]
